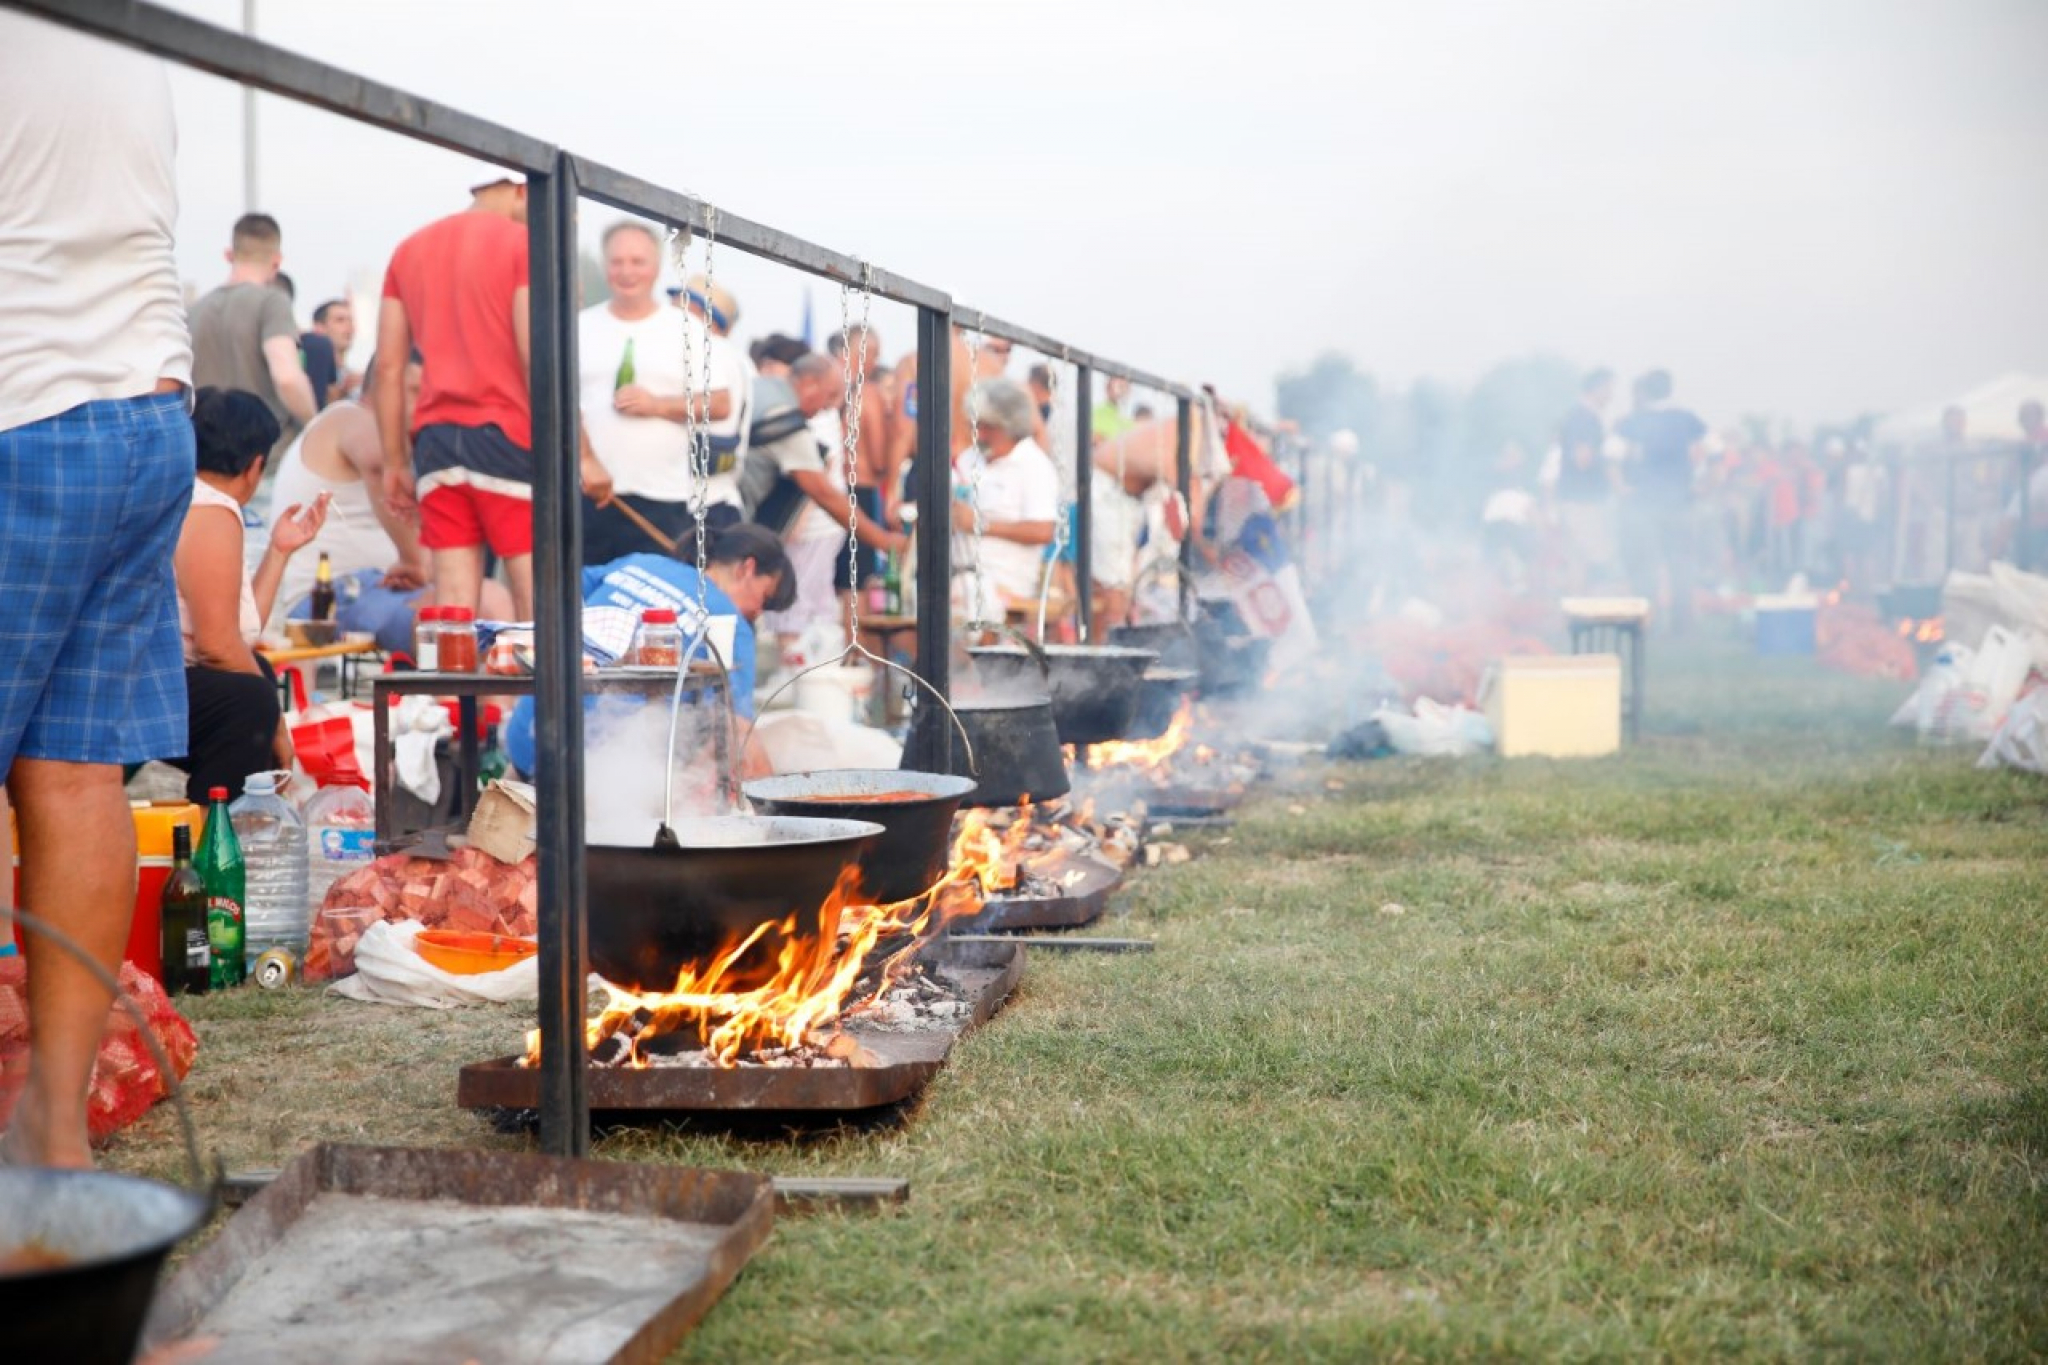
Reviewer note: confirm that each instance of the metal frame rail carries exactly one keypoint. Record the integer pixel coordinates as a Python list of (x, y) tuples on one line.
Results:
[(555, 180)]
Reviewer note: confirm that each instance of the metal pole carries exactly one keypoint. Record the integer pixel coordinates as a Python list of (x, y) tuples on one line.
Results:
[(933, 478), (1184, 467), (2023, 541), (1084, 498), (250, 199), (1948, 520), (558, 665)]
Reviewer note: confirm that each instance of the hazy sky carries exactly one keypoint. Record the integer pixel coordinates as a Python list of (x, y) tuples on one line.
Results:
[(1805, 207)]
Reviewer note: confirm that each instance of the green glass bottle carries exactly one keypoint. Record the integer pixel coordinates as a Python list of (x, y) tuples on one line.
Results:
[(625, 375), (227, 891), (181, 922), (491, 764), (892, 585)]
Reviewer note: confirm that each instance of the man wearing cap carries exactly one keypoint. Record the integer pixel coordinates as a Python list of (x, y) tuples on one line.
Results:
[(643, 387), (457, 291)]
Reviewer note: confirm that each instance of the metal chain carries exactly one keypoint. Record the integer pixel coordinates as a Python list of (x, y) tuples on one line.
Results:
[(1061, 535), (853, 383), (700, 430), (974, 616)]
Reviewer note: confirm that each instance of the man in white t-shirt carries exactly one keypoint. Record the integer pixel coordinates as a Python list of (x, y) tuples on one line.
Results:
[(1018, 491), (642, 374)]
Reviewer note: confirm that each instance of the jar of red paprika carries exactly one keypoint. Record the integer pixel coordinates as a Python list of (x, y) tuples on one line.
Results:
[(660, 641), (457, 640)]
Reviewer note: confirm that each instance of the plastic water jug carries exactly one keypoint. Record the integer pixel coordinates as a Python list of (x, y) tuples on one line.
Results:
[(273, 839), (341, 836)]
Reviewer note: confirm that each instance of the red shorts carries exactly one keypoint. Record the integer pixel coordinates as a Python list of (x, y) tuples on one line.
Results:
[(460, 516), (476, 489)]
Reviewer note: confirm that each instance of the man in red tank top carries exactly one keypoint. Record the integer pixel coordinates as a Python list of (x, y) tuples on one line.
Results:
[(457, 291)]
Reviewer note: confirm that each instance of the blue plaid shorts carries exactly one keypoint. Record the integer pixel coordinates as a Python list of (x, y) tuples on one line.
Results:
[(92, 664)]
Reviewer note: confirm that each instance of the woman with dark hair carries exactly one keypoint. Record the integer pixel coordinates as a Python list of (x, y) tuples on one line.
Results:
[(235, 724)]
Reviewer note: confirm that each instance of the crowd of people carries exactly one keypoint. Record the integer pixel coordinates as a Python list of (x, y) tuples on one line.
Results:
[(137, 428), (1656, 502)]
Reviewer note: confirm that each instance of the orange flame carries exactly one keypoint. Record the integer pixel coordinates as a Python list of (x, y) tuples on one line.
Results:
[(815, 977), (1925, 632), (1146, 753)]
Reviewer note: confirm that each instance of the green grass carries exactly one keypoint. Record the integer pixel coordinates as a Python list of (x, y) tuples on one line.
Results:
[(1734, 1045)]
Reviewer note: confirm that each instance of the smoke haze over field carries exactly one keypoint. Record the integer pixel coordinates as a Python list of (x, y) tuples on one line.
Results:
[(1808, 209)]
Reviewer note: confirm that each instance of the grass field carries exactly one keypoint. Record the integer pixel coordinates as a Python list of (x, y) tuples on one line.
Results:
[(1735, 1045)]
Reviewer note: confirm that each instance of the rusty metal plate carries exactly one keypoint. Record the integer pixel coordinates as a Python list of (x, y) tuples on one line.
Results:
[(905, 1061), (370, 1254), (1083, 904)]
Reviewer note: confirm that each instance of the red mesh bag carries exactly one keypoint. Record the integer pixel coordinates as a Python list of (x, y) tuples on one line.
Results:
[(126, 1079)]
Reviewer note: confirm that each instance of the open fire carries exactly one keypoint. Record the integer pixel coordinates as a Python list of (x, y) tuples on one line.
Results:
[(862, 958), (1924, 631)]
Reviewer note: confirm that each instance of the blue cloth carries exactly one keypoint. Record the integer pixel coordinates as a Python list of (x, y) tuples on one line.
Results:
[(637, 583), (92, 667)]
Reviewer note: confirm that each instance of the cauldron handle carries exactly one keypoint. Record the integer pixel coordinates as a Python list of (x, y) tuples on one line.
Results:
[(973, 766), (207, 1186), (729, 779), (1152, 571)]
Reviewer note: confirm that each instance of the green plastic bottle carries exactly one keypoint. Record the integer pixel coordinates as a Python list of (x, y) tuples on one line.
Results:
[(626, 374), (227, 891)]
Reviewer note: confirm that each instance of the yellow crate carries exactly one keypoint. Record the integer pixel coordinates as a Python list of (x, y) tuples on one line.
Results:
[(1555, 706)]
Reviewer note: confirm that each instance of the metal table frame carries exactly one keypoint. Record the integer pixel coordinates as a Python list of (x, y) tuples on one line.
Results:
[(556, 179)]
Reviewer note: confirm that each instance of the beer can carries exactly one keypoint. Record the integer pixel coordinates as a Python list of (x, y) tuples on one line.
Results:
[(274, 969)]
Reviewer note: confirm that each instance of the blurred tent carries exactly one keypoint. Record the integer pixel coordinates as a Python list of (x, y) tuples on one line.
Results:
[(1992, 410)]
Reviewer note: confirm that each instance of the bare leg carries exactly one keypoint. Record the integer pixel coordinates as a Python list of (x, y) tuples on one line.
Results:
[(519, 570), (458, 576), (78, 869)]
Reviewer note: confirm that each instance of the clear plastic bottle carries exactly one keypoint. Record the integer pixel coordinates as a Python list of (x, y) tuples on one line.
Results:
[(341, 836), (273, 839)]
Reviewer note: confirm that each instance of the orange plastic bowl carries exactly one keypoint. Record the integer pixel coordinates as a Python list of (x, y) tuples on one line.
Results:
[(467, 953)]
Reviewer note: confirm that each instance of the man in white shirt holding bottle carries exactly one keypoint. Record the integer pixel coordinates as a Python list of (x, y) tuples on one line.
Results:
[(642, 375)]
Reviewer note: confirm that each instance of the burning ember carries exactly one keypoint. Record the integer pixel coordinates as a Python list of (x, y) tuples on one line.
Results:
[(1144, 754), (862, 961), (1925, 632)]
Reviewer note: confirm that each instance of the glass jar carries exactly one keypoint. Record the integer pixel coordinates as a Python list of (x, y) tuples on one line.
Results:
[(455, 643), (659, 643), (426, 632)]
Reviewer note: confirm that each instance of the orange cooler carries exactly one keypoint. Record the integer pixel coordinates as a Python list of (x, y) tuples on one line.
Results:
[(153, 825)]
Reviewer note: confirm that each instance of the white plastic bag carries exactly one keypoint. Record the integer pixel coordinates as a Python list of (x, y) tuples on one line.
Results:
[(2022, 741), (389, 971), (1948, 707), (1435, 730), (2000, 669)]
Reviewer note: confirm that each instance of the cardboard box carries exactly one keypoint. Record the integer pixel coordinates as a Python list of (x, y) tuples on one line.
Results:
[(503, 825), (1555, 705)]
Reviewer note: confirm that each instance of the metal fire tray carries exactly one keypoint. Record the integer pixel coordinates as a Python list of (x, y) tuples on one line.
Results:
[(1184, 802), (1083, 903), (373, 1254), (905, 1061)]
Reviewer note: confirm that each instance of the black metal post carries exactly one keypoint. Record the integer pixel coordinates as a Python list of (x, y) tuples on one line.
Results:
[(1184, 473), (1948, 519), (1084, 498), (558, 663), (933, 478), (2023, 540)]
